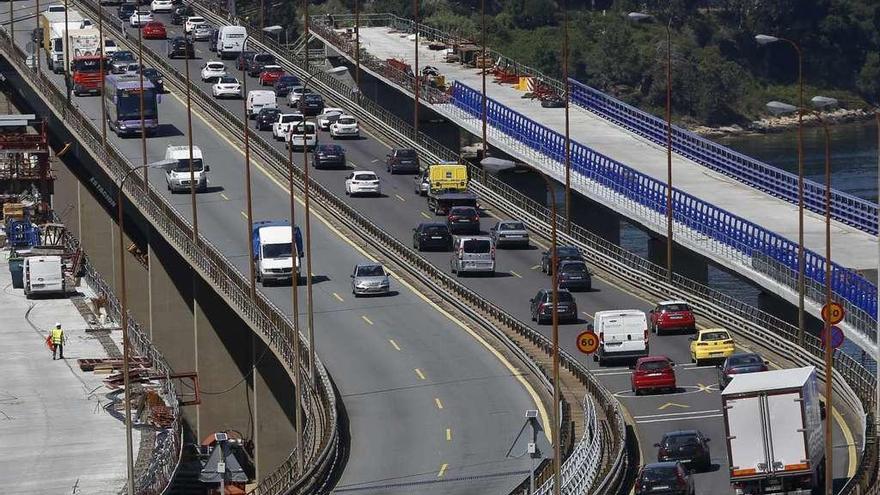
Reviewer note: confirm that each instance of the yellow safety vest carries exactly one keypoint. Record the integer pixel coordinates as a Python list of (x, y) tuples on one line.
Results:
[(57, 335)]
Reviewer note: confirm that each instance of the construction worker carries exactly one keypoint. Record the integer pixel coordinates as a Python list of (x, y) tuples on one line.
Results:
[(57, 341)]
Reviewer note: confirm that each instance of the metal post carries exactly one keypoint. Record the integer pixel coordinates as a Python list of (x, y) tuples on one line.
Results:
[(189, 136), (416, 69), (12, 23), (310, 309), (67, 82), (800, 152), (247, 176), (357, 44), (42, 38), (294, 296), (829, 350), (143, 121), (567, 97), (484, 101), (669, 214), (306, 31), (101, 70), (877, 336), (262, 21)]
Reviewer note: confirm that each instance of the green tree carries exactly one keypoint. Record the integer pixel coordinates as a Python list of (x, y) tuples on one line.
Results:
[(869, 78)]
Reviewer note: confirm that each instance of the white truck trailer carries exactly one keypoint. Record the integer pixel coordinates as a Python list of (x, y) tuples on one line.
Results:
[(775, 433)]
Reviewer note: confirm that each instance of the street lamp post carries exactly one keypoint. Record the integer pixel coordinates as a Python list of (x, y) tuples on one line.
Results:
[(763, 39), (67, 81), (484, 101), (415, 7), (567, 96), (101, 71), (294, 300), (42, 37), (247, 174), (357, 45), (141, 78), (189, 135)]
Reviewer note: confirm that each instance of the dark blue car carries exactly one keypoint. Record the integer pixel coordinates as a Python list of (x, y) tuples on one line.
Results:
[(284, 83)]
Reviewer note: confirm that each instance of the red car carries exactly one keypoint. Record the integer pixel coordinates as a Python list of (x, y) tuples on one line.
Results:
[(270, 74), (154, 30), (653, 373), (672, 315)]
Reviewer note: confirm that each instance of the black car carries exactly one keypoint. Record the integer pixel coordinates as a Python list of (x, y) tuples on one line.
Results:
[(155, 77), (120, 60), (542, 306), (180, 47), (284, 83), (689, 447), (327, 155), (463, 220), (37, 35), (180, 14), (655, 476), (402, 160), (739, 364), (311, 104), (432, 236), (574, 275), (242, 60), (265, 118), (125, 10), (563, 253), (257, 62)]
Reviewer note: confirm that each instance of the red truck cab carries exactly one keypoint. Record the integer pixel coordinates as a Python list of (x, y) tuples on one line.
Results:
[(86, 74)]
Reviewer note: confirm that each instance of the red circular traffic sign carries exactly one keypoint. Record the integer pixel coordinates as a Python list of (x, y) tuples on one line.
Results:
[(833, 313), (587, 342), (836, 337)]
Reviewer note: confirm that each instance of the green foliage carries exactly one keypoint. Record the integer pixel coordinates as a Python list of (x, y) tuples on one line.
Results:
[(869, 78)]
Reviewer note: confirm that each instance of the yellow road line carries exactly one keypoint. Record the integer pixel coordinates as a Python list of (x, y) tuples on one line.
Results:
[(338, 297), (425, 215), (364, 317), (224, 196), (419, 372), (448, 434), (398, 196), (442, 470), (244, 215), (503, 360), (517, 275), (850, 443), (394, 344), (438, 403)]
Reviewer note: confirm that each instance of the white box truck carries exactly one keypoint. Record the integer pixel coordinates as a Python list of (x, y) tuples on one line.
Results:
[(43, 275), (277, 248), (53, 25), (177, 175), (775, 436)]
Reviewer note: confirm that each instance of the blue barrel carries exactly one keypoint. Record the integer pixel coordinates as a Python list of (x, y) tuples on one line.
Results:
[(16, 268)]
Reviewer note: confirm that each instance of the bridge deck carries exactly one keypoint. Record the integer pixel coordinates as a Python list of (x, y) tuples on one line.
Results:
[(850, 246)]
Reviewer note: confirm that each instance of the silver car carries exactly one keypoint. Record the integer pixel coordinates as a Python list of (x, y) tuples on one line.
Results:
[(202, 32), (509, 233), (422, 183), (369, 278)]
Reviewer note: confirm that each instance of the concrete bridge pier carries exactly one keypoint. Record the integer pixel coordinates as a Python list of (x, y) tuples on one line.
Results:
[(684, 261)]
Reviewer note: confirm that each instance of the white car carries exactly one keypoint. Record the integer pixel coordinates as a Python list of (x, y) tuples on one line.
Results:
[(212, 71), (328, 116), (191, 22), (362, 183), (162, 6), (225, 87), (281, 127), (110, 46), (345, 126), (295, 94), (302, 135), (138, 19)]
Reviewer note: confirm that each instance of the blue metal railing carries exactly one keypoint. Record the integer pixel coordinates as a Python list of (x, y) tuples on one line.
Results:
[(689, 211), (845, 208)]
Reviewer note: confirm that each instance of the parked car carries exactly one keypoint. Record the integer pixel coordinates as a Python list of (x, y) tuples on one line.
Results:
[(226, 87), (255, 65), (574, 275), (120, 60), (345, 125), (139, 19), (463, 220), (664, 478), (212, 71), (740, 364), (154, 30), (369, 278), (270, 74), (294, 95), (563, 253), (203, 32), (672, 315), (711, 343), (189, 25), (402, 160), (509, 233), (180, 47), (542, 306), (432, 236), (327, 117), (362, 182), (242, 60), (284, 83), (265, 118), (125, 11), (328, 155), (180, 14), (653, 373), (161, 6), (423, 182), (155, 77), (688, 447), (313, 104)]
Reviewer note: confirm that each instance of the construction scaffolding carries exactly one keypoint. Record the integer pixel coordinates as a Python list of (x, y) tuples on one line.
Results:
[(25, 175)]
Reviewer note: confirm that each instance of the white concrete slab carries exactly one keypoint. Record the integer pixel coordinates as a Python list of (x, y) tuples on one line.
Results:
[(55, 435), (850, 247)]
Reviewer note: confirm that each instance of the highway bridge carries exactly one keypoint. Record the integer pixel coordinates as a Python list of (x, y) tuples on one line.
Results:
[(429, 404)]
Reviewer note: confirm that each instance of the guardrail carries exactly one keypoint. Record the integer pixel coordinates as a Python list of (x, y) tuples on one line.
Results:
[(156, 476), (736, 239), (320, 435)]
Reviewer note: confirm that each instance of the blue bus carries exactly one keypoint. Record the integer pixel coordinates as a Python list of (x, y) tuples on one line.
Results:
[(123, 97)]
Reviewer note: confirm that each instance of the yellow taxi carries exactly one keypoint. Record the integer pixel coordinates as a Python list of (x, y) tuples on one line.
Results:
[(711, 343)]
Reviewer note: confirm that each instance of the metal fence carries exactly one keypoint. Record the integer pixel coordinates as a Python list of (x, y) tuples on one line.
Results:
[(728, 236), (320, 435)]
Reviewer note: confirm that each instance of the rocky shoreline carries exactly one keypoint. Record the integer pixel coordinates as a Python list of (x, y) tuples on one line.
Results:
[(784, 123)]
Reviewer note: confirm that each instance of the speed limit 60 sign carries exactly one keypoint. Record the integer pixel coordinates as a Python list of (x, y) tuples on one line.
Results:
[(587, 342)]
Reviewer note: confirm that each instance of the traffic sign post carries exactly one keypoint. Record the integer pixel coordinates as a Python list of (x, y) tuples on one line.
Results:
[(836, 337), (587, 342), (833, 313)]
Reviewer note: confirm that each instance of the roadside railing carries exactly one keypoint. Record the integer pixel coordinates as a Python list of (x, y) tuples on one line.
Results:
[(320, 435)]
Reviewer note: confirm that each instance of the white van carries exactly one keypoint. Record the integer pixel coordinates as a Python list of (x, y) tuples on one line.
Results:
[(258, 99), (623, 333), (43, 275), (177, 175), (230, 41), (472, 254), (298, 138)]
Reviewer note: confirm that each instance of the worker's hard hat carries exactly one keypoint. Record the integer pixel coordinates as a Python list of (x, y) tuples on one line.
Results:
[(57, 325)]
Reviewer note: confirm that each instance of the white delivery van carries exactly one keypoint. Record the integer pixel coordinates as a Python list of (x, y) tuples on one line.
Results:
[(43, 275), (472, 254), (230, 41), (177, 173), (302, 135), (623, 334), (258, 99)]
